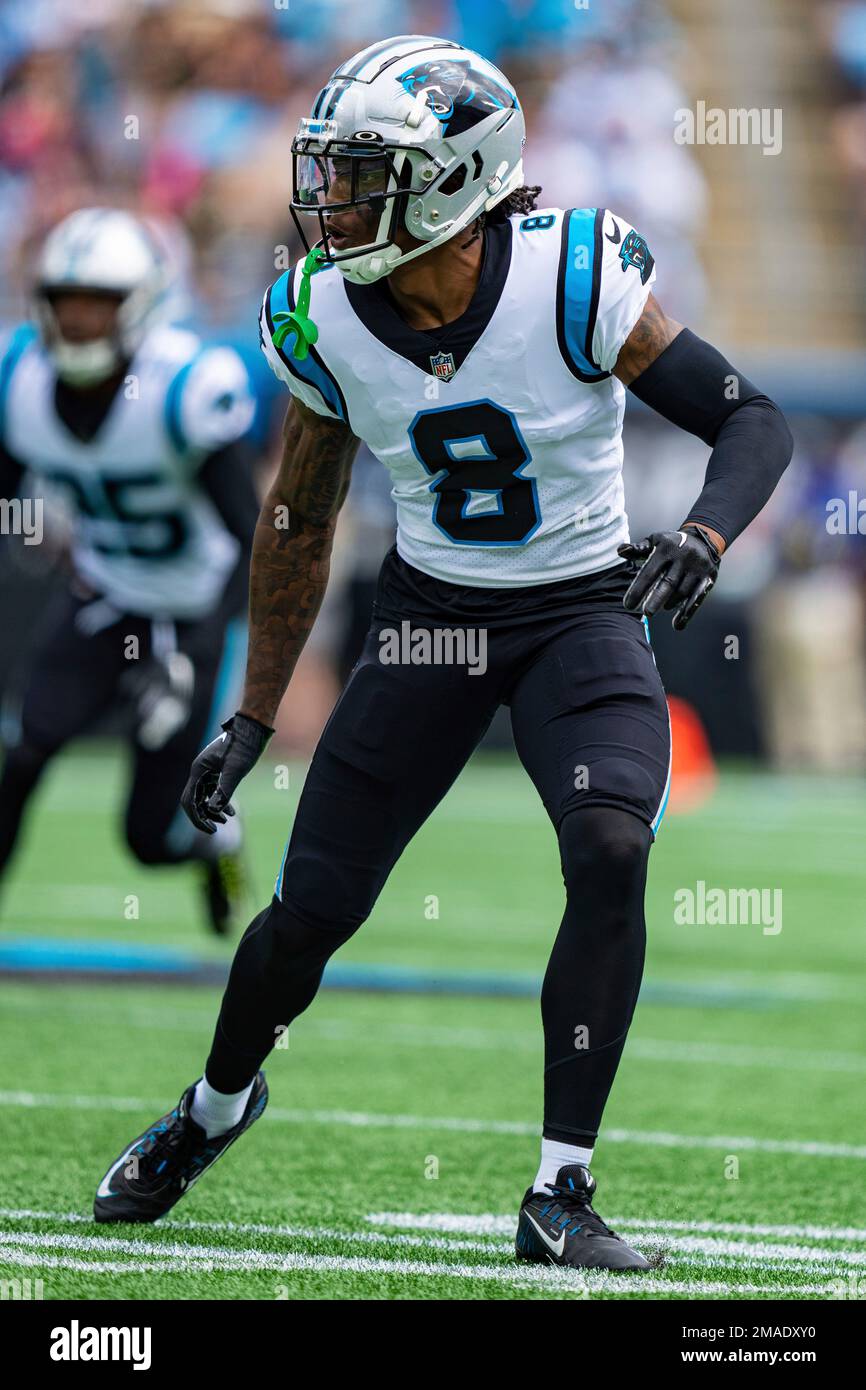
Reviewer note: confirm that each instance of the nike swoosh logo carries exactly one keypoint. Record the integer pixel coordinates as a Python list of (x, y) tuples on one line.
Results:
[(617, 234), (556, 1246), (104, 1189)]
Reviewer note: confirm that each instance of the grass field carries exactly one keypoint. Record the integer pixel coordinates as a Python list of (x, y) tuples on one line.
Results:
[(402, 1127)]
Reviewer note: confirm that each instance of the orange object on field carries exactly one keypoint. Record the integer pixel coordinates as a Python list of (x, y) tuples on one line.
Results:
[(693, 767)]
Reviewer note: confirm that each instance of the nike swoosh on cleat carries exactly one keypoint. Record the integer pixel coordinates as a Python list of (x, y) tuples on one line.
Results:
[(103, 1190), (556, 1246)]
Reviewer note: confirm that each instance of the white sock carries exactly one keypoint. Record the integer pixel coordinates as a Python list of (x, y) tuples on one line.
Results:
[(554, 1156), (215, 1111)]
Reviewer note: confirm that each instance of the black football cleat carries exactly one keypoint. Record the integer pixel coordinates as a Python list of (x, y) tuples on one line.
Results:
[(563, 1229), (225, 892), (162, 1164)]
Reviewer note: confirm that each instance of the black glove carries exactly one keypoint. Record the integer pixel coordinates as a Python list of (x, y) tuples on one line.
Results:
[(218, 769), (676, 569)]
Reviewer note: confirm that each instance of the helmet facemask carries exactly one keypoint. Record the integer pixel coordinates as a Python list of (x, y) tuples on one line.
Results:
[(86, 363), (361, 175)]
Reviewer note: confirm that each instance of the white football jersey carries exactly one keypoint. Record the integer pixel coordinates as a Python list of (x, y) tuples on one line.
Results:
[(502, 431), (146, 535)]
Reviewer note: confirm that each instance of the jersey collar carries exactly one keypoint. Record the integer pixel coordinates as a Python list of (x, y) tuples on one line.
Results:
[(375, 307)]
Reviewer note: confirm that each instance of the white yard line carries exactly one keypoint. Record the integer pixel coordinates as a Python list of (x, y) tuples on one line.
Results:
[(283, 1232), (677, 1246), (455, 1124), (383, 1034), (492, 1224), (190, 1258), (33, 1249)]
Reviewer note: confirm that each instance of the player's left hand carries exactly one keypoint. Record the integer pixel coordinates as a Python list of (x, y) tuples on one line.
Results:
[(219, 768), (676, 569)]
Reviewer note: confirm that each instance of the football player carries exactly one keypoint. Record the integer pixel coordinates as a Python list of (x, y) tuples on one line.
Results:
[(140, 427), (481, 346)]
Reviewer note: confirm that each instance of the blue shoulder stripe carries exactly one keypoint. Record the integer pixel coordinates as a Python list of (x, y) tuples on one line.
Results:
[(310, 369), (173, 399), (19, 341), (577, 291)]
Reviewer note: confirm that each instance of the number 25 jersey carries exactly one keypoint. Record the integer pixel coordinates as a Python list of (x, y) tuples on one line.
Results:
[(502, 431), (145, 533)]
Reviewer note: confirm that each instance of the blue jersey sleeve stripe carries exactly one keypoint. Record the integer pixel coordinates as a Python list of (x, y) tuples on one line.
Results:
[(311, 369), (577, 291), (173, 398), (20, 340)]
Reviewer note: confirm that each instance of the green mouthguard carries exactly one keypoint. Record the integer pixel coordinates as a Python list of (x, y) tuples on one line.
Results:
[(299, 321)]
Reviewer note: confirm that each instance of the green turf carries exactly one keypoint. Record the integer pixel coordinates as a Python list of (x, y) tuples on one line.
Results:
[(395, 1106)]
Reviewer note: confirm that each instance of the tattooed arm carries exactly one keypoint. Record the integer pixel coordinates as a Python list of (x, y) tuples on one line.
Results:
[(652, 333), (292, 551)]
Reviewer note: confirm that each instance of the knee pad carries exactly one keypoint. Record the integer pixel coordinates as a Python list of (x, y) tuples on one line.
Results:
[(279, 940), (327, 892), (600, 840)]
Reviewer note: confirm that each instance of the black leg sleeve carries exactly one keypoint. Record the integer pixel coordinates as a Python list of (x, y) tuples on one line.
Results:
[(23, 768), (275, 974), (398, 737), (595, 969)]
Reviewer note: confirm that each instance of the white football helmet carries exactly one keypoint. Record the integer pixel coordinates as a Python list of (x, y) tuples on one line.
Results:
[(106, 251), (423, 131)]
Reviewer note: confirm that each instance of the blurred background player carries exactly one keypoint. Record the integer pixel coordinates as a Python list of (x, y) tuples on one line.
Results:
[(140, 430)]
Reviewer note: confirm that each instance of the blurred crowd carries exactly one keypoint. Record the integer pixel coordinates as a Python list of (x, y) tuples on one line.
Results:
[(843, 28), (185, 110)]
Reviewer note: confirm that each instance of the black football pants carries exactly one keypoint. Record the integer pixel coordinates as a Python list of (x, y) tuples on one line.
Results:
[(80, 669), (591, 728)]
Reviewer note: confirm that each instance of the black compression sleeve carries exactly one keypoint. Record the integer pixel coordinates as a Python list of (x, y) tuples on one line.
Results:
[(695, 387), (227, 478)]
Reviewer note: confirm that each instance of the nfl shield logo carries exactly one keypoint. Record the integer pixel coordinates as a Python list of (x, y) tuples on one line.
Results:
[(443, 365)]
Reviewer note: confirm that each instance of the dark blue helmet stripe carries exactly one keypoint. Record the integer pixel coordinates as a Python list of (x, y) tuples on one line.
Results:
[(351, 69), (320, 98)]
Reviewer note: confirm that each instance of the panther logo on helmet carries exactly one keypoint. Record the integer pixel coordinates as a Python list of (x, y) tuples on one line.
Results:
[(459, 94)]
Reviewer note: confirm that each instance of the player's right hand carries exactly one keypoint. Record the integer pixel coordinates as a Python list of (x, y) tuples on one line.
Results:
[(219, 768)]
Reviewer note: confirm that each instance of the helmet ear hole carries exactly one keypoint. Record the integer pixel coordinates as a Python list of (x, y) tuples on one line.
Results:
[(454, 181)]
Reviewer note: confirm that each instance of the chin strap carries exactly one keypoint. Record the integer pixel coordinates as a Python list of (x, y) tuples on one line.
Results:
[(299, 321)]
